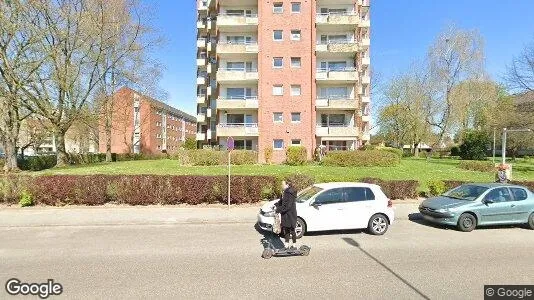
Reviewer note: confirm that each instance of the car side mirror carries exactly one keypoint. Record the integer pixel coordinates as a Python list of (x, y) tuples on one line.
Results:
[(488, 201), (316, 204)]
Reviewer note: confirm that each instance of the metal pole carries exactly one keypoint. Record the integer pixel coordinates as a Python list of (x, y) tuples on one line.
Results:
[(504, 146), (493, 144), (229, 178)]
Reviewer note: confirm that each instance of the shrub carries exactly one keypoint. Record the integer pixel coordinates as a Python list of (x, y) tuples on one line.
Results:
[(300, 181), (474, 165), (25, 199), (2, 163), (395, 151), (37, 163), (368, 147), (450, 184), (190, 143), (436, 187), (206, 157), (243, 157), (268, 152), (296, 155), (370, 158), (527, 184), (455, 151), (474, 145), (11, 187), (396, 189)]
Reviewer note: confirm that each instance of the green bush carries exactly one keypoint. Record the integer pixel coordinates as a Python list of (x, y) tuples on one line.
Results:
[(296, 156), (268, 152), (396, 189), (11, 187), (474, 146), (368, 147), (369, 158), (26, 199), (436, 187), (243, 157), (476, 165), (455, 151), (300, 181), (37, 163), (2, 163), (206, 157), (190, 143), (395, 151)]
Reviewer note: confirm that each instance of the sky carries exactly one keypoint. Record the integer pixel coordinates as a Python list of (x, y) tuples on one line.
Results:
[(401, 32)]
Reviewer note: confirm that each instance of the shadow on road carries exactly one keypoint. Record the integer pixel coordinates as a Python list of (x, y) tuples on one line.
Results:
[(354, 243), (418, 219), (269, 239)]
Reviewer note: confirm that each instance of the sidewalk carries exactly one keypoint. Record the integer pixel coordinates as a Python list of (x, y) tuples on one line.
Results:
[(142, 215)]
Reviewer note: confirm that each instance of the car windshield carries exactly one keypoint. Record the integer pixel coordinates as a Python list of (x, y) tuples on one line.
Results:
[(308, 193), (466, 192)]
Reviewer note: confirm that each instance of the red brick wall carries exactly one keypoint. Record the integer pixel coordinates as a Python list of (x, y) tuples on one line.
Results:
[(305, 76)]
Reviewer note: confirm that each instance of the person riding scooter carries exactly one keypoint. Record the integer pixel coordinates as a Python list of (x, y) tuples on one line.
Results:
[(287, 208)]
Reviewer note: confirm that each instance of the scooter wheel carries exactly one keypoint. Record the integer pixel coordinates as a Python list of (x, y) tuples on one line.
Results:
[(267, 253), (305, 250)]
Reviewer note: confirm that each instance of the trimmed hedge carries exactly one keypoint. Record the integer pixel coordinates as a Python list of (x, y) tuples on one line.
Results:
[(296, 156), (37, 163), (367, 158), (396, 189), (474, 165), (206, 157), (135, 190), (436, 187), (395, 151)]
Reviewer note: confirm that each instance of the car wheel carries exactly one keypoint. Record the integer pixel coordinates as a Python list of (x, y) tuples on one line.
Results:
[(300, 228), (467, 222), (530, 223), (378, 224)]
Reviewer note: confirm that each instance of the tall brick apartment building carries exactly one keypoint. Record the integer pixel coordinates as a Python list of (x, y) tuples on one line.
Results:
[(141, 124), (278, 73)]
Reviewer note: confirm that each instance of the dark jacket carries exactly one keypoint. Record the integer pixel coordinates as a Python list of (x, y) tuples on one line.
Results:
[(287, 208)]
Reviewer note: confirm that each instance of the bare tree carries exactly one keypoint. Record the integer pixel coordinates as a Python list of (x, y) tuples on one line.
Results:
[(455, 56), (520, 75), (33, 133)]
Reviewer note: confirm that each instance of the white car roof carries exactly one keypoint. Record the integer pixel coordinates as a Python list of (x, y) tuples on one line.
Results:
[(331, 185)]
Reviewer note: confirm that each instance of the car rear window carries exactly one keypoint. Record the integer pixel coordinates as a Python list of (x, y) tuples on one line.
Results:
[(355, 194), (519, 194)]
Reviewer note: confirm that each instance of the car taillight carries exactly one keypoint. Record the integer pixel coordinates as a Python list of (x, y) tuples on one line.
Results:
[(390, 203)]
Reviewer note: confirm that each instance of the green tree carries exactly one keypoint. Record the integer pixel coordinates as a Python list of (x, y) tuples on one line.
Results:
[(475, 145), (190, 143)]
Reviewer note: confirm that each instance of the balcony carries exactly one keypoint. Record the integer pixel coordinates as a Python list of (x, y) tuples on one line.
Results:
[(201, 136), (203, 6), (366, 23), (211, 45), (237, 129), (201, 99), (332, 47), (338, 75), (366, 79), (201, 62), (336, 131), (237, 23), (366, 61), (366, 118), (201, 25), (201, 80), (364, 4), (224, 48), (366, 99), (366, 137), (347, 20), (337, 103), (365, 42), (234, 76), (201, 43), (201, 118), (240, 103)]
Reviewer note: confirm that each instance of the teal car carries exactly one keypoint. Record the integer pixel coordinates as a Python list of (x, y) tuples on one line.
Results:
[(472, 205)]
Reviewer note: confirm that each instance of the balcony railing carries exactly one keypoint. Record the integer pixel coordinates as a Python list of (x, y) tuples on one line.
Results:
[(336, 102), (238, 102), (336, 129), (237, 129), (346, 74), (244, 20), (231, 47), (337, 18), (237, 74), (337, 46)]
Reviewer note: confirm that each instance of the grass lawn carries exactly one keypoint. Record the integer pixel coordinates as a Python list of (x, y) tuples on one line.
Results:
[(417, 169)]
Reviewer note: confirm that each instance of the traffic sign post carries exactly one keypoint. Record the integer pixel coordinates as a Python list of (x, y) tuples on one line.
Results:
[(230, 147)]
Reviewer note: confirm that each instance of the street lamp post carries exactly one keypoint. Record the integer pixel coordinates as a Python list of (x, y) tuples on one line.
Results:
[(504, 131)]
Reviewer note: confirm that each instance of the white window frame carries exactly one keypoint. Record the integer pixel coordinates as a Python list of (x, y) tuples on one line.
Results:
[(294, 33), (295, 11), (278, 67), (281, 114), (281, 38), (297, 114), (294, 86), (275, 89), (293, 144), (299, 59), (278, 10), (274, 144)]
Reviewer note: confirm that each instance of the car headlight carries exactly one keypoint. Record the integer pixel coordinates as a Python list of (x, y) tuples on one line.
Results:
[(442, 210)]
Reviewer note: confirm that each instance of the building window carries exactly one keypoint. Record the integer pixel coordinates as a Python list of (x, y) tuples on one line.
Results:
[(278, 117), (295, 142), (278, 7), (295, 62), (278, 90), (278, 144), (295, 90), (295, 117), (295, 35), (278, 62), (278, 35), (295, 7)]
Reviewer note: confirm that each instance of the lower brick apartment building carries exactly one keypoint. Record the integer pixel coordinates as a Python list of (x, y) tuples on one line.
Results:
[(141, 124)]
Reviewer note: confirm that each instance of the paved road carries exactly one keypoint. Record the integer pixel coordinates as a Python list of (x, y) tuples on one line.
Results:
[(222, 261)]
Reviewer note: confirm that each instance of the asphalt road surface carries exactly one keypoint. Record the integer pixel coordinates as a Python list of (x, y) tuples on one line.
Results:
[(223, 261)]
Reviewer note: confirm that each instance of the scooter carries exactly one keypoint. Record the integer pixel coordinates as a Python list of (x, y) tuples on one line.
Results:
[(270, 252)]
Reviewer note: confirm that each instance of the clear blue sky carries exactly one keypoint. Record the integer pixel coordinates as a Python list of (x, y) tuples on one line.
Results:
[(401, 33)]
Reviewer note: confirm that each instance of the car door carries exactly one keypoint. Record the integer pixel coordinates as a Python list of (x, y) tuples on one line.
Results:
[(326, 210), (497, 207), (359, 207)]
